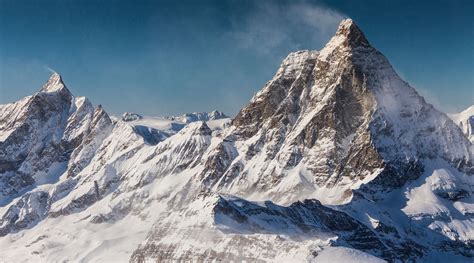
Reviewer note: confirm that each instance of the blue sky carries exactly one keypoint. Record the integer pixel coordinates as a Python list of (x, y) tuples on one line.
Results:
[(172, 57)]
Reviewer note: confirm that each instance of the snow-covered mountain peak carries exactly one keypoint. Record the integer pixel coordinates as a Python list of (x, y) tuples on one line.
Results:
[(347, 40), (80, 101), (49, 127), (55, 83), (465, 121), (335, 105), (349, 31), (215, 115), (465, 113)]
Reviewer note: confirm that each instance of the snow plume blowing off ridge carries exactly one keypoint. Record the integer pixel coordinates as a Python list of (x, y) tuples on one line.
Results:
[(49, 69), (273, 24)]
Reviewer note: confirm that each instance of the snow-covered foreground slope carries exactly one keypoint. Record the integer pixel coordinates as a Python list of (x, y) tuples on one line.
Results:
[(336, 158)]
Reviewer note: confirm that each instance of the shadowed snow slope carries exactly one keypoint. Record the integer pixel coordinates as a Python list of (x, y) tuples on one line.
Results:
[(336, 158)]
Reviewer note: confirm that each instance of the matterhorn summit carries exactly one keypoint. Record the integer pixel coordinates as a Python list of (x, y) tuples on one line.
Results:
[(336, 154)]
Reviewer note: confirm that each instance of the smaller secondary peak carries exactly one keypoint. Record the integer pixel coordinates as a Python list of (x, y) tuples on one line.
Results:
[(215, 114), (55, 83), (349, 30)]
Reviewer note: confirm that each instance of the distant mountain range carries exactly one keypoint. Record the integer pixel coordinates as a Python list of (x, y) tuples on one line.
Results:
[(335, 155)]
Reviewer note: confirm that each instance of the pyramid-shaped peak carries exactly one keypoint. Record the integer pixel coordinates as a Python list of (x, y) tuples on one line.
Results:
[(349, 30), (55, 83), (348, 36), (346, 23), (55, 77)]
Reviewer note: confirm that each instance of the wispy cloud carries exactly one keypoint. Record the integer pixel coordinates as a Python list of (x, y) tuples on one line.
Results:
[(272, 25), (434, 100)]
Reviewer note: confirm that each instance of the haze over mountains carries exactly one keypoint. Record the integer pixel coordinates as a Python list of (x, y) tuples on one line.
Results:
[(335, 155)]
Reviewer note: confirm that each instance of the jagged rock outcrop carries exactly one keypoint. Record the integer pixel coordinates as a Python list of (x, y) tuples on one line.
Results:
[(25, 212)]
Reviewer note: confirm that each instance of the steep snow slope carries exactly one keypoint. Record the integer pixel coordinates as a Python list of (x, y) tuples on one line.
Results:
[(465, 120), (394, 174)]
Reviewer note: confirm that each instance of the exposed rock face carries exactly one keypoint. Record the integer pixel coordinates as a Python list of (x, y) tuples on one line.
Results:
[(150, 135), (25, 212), (380, 171)]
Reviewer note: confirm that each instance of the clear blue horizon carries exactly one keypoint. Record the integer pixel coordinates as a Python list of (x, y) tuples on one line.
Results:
[(168, 57)]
